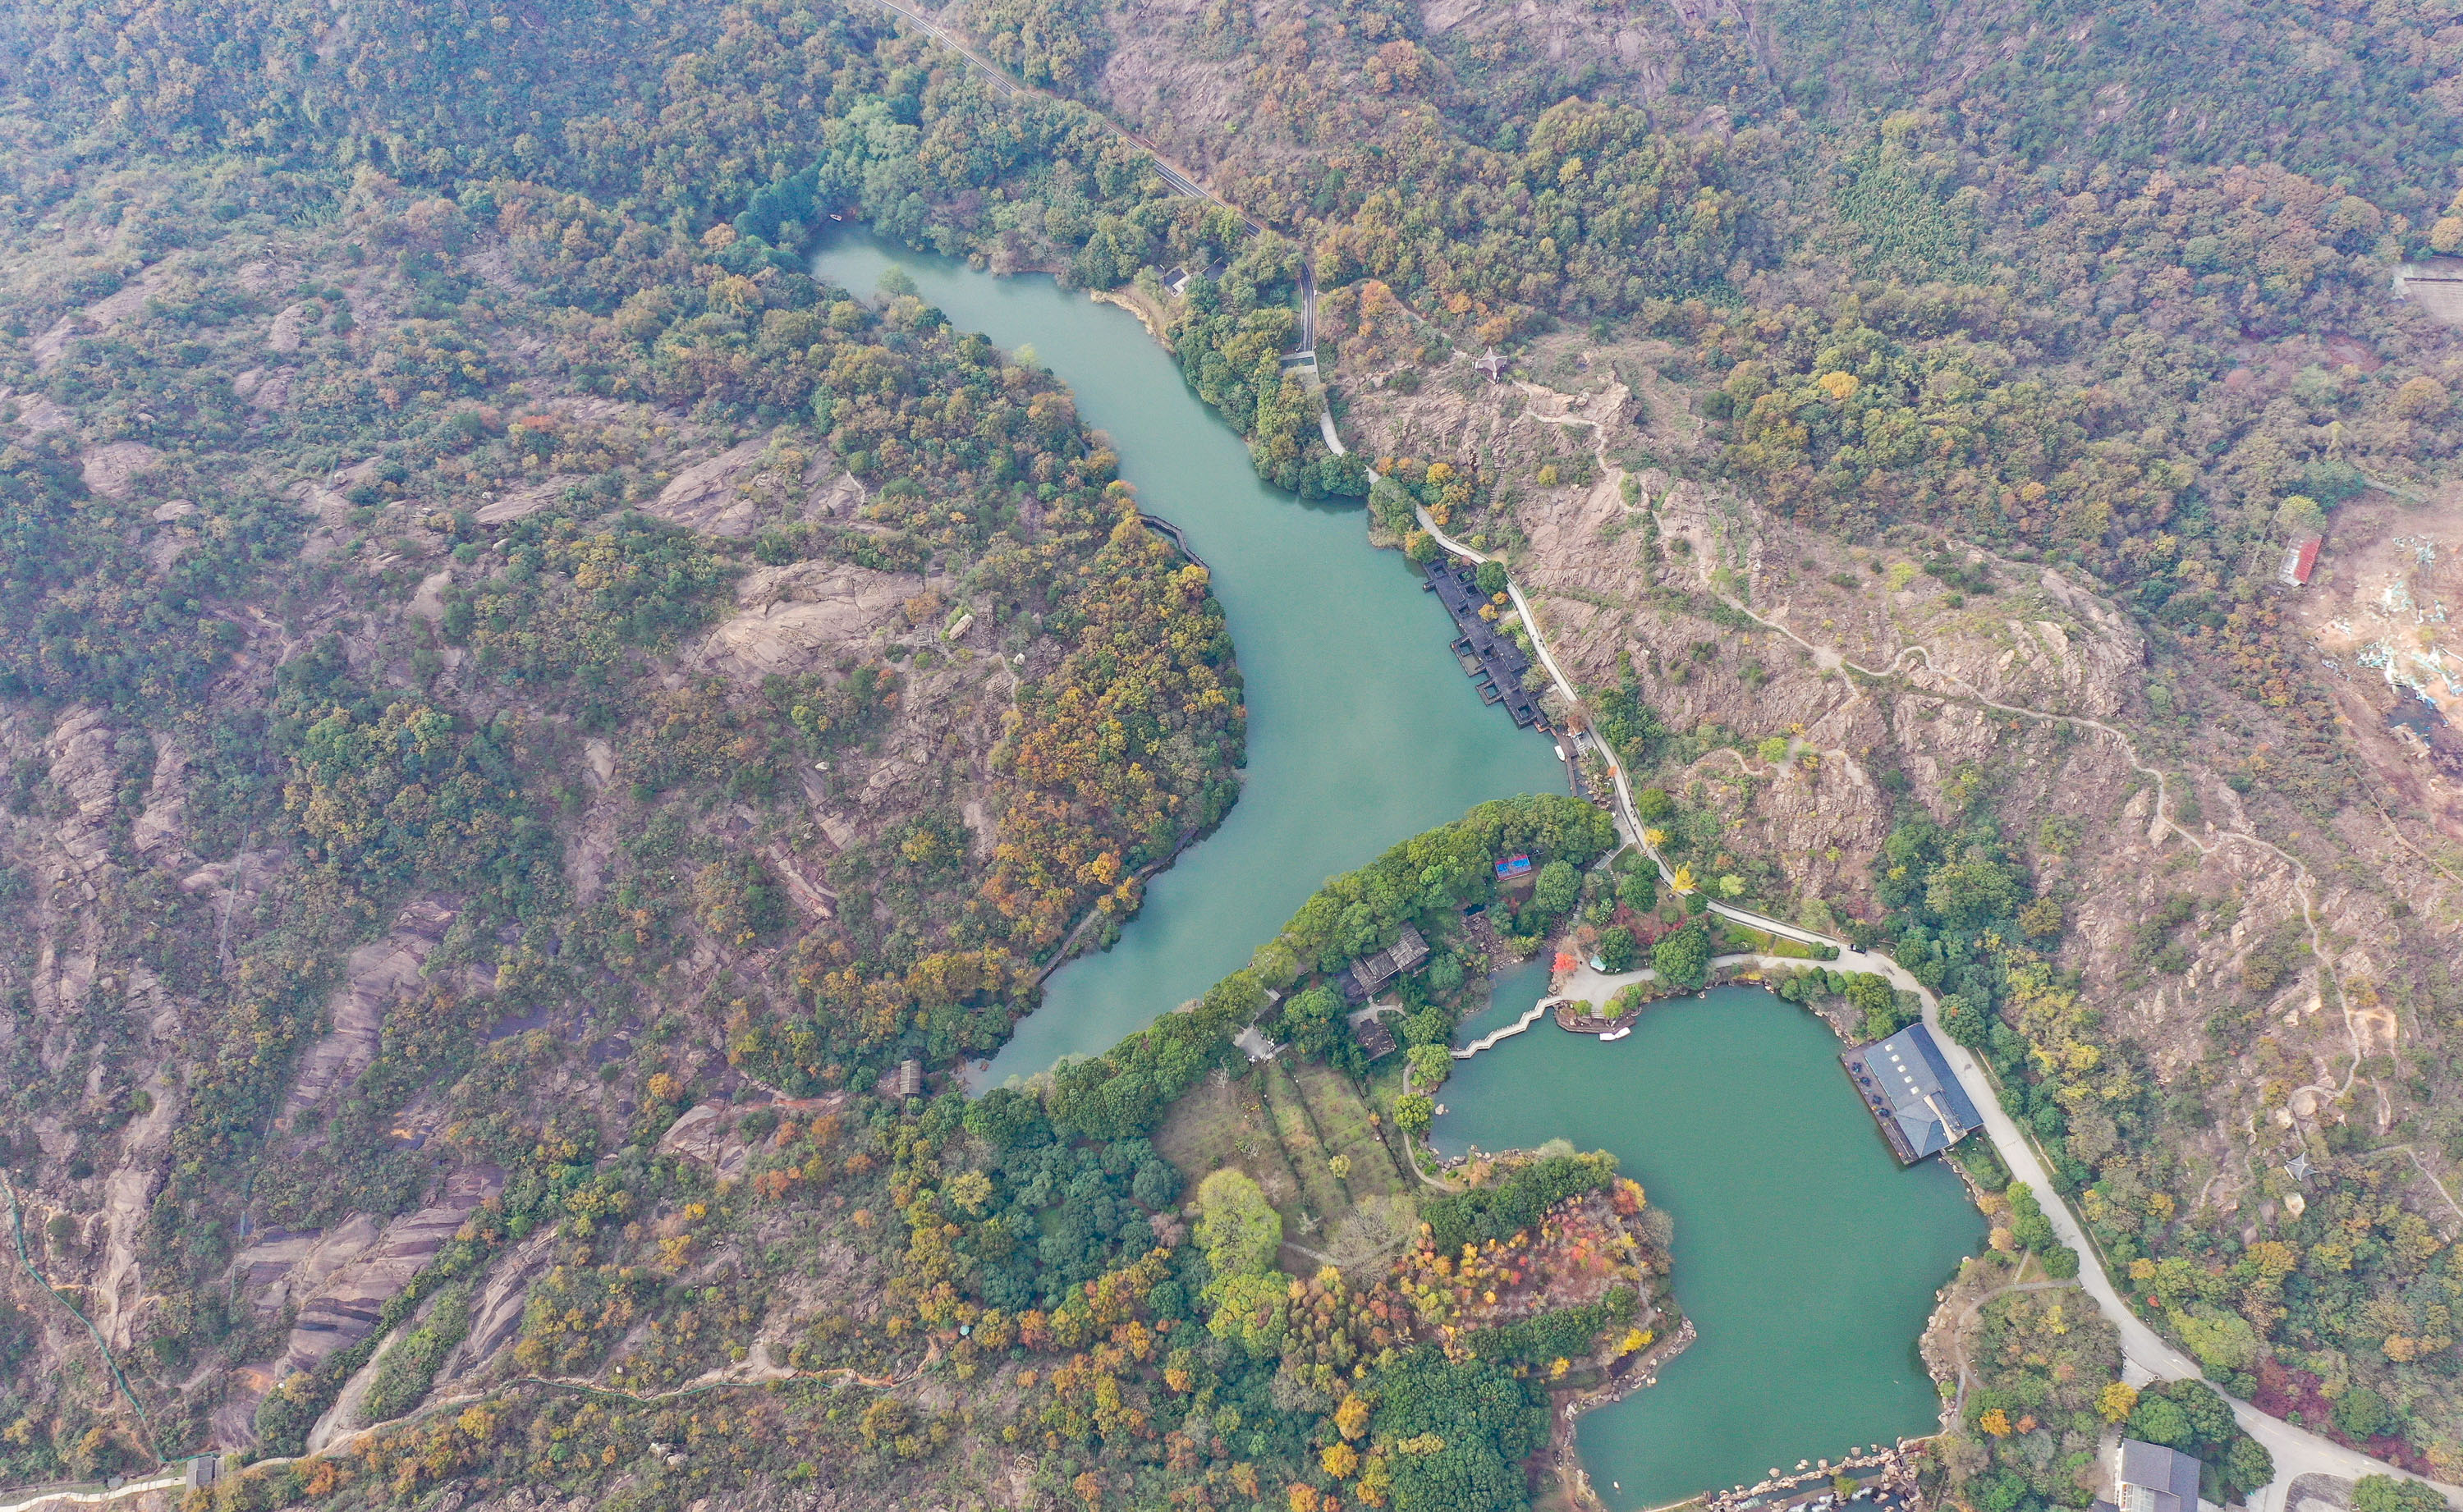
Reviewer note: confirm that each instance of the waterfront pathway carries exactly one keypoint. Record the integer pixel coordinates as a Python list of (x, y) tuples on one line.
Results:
[(1587, 984), (1488, 1041), (2145, 1354)]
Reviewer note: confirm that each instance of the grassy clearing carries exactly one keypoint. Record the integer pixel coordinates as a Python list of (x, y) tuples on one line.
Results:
[(1343, 1128), (1734, 939), (1324, 1197), (1284, 1124)]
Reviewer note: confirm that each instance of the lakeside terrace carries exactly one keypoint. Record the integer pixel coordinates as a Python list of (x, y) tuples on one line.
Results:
[(1490, 657), (1906, 1085)]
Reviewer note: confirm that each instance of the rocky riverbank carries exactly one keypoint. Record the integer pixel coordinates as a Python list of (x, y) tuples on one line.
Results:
[(1626, 1378), (1890, 1472)]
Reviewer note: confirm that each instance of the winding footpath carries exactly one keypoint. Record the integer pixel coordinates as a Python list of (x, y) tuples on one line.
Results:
[(2146, 1356), (95, 1495), (1179, 179), (88, 1494)]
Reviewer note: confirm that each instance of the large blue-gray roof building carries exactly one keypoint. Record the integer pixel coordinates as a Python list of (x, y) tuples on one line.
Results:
[(1908, 1086), (2149, 1477)]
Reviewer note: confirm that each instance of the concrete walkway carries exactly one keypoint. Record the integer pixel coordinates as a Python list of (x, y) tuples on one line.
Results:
[(2297, 1451)]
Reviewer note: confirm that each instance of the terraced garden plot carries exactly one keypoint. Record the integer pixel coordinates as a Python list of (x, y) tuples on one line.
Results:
[(1283, 1123), (1322, 1194), (1222, 1122), (1340, 1120)]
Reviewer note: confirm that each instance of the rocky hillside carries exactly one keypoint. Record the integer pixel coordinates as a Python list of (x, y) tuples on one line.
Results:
[(448, 733), (2267, 966), (523, 713)]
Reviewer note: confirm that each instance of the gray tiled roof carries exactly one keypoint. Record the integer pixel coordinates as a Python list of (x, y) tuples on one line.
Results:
[(1375, 969), (1916, 1090), (2153, 1479)]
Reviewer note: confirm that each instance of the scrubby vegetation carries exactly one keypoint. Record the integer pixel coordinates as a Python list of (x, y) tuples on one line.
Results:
[(353, 356)]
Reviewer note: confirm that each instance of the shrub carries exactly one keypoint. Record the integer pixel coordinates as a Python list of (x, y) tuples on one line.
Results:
[(1505, 1208)]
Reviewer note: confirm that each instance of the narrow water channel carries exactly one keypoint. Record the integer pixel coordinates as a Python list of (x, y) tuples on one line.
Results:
[(1804, 1255), (1363, 729)]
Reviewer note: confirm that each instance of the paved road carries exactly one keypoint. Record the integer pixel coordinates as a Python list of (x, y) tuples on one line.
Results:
[(91, 1495), (2147, 1357), (1308, 310), (2296, 1452)]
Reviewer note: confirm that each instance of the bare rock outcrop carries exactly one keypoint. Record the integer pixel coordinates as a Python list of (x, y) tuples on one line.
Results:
[(709, 1133), (106, 315), (111, 471), (376, 975), (496, 1312), (341, 1280), (790, 618), (157, 833), (704, 497)]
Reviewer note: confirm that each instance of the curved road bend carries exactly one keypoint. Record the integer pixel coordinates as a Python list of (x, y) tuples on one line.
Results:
[(2297, 1451)]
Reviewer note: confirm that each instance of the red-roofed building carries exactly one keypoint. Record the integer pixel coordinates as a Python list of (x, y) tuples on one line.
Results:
[(2299, 561)]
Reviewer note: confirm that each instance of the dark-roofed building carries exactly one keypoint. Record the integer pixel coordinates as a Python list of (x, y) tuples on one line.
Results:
[(1376, 1040), (2149, 1477), (1379, 967), (1908, 1086), (1491, 657)]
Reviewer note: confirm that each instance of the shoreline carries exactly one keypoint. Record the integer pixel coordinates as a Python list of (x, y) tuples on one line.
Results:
[(1565, 1467), (1740, 969), (1126, 297), (1571, 1474)]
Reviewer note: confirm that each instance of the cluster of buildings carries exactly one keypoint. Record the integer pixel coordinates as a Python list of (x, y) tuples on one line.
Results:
[(1492, 659)]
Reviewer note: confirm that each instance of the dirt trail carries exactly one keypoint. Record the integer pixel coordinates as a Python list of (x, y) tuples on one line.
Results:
[(2296, 1450), (17, 1232), (1958, 1345), (715, 1380), (2162, 825), (1828, 657)]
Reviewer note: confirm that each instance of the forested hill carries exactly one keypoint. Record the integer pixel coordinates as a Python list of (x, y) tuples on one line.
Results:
[(522, 710), (491, 656)]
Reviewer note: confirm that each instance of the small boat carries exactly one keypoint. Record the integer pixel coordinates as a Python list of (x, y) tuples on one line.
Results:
[(1618, 1033)]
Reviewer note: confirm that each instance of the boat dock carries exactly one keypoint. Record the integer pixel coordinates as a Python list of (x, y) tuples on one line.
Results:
[(1488, 657), (1573, 1023)]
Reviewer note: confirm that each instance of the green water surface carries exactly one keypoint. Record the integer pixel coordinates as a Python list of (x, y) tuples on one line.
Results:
[(1805, 1256), (1363, 729)]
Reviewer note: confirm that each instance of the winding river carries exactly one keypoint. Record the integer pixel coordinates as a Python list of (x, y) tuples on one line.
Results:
[(1808, 1258), (1363, 729)]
